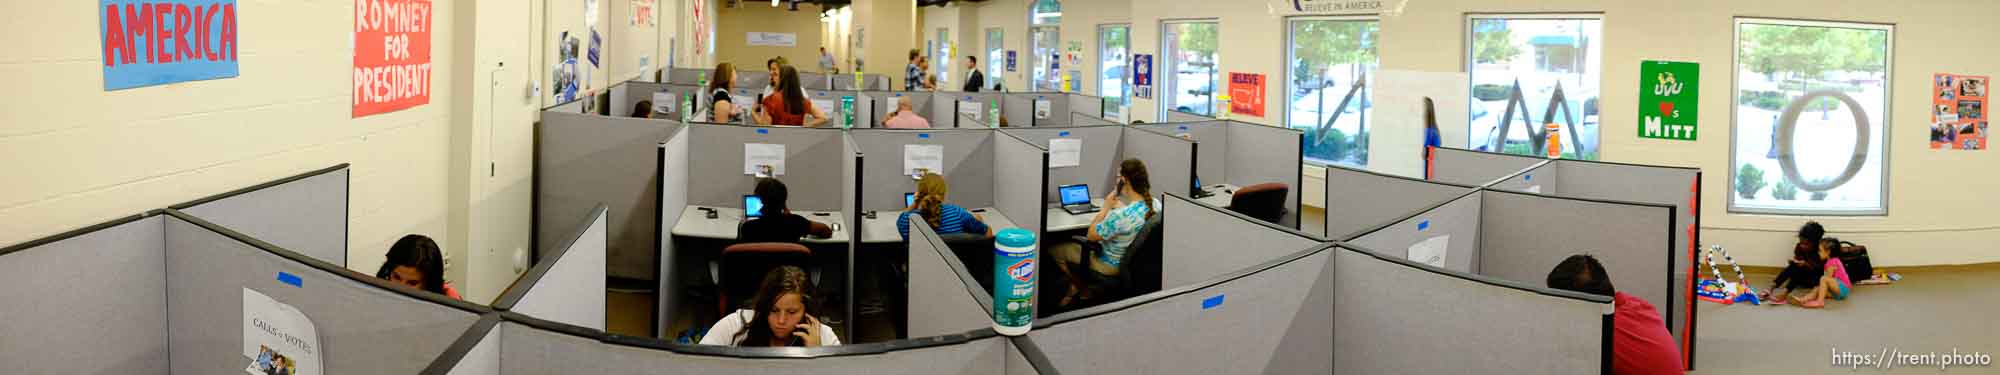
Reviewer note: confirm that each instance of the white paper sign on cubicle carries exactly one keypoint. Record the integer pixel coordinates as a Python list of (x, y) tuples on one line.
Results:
[(278, 338), (974, 110), (1431, 251), (1065, 152), (759, 155), (665, 102), (1537, 189), (895, 101), (929, 158), (825, 106), (1041, 109)]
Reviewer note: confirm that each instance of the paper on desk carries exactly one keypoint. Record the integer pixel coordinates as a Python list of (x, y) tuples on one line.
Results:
[(926, 157), (1065, 152), (1537, 189), (761, 154), (1041, 110), (1430, 251), (973, 110)]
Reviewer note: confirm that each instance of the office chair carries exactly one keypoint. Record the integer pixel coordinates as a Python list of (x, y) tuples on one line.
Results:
[(1139, 273), (741, 269), (1265, 201)]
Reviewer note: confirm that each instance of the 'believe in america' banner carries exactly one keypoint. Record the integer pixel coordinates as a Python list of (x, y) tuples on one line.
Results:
[(392, 55), (150, 43)]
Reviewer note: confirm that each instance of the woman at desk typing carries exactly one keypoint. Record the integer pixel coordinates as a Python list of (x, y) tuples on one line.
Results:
[(778, 224), (944, 217), (1111, 233), (778, 316), (789, 106)]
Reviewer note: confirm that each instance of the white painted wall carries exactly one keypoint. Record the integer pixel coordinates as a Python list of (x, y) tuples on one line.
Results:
[(1932, 218)]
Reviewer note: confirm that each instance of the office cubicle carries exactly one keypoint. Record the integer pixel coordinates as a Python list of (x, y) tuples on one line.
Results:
[(1243, 154), (121, 304), (829, 102), (920, 102), (973, 105), (1394, 316), (870, 82), (1178, 116), (1169, 159), (1034, 109), (567, 284), (944, 295), (1190, 253), (704, 167), (1081, 119), (307, 212), (1363, 200), (1659, 185), (1085, 104), (585, 160), (1468, 167)]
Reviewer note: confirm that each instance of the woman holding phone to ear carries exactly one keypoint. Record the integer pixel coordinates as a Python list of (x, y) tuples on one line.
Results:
[(1111, 233), (778, 316)]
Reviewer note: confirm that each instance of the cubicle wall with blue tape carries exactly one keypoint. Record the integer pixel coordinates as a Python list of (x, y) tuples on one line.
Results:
[(305, 212)]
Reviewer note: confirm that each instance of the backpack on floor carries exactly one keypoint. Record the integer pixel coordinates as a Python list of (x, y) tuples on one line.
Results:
[(1855, 258)]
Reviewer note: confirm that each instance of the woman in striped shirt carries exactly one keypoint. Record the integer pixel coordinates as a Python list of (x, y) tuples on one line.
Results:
[(943, 217)]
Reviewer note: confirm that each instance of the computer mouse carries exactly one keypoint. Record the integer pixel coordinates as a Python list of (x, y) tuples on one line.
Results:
[(711, 214)]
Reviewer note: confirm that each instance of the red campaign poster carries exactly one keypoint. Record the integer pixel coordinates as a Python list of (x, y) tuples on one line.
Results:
[(1246, 94), (392, 55)]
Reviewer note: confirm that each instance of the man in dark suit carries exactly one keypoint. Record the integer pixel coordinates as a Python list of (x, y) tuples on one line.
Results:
[(973, 80)]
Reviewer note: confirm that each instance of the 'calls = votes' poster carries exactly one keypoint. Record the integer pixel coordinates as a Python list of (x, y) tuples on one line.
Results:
[(278, 339), (1958, 116)]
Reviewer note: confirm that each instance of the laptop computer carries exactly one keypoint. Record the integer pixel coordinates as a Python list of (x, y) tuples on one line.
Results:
[(753, 207), (1076, 199)]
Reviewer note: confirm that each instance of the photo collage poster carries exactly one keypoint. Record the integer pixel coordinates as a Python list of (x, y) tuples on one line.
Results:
[(1958, 112)]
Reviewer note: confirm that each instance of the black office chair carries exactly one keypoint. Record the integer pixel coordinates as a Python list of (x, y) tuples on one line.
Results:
[(1138, 274), (741, 269), (1265, 201), (975, 251)]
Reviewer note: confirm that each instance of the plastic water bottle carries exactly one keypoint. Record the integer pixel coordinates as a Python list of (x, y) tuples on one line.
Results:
[(1555, 146), (1222, 111), (993, 114), (1014, 278)]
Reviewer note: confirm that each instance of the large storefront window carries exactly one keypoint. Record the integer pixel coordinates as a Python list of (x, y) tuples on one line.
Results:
[(1532, 64), (1813, 95), (1330, 71)]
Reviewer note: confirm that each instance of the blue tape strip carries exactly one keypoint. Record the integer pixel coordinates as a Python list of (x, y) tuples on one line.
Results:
[(924, 136), (1422, 225), (1062, 134), (289, 278), (1529, 177), (1211, 302), (1183, 127), (763, 131)]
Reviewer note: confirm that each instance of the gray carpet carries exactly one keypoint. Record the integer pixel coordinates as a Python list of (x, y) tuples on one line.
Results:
[(1932, 309)]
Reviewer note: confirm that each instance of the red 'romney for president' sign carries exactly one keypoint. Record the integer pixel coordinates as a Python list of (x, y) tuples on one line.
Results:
[(392, 55)]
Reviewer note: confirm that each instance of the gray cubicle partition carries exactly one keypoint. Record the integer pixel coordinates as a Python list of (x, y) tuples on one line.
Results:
[(366, 325), (1193, 250), (813, 157), (689, 76), (1468, 167), (1244, 154), (1454, 224), (885, 104), (1540, 179), (1032, 109), (943, 296), (567, 285), (1391, 318), (1018, 109), (533, 347), (1088, 105), (1097, 166), (815, 81), (1170, 160), (1269, 319), (1178, 116), (828, 102), (968, 165), (306, 212), (1361, 200), (672, 157), (871, 82), (851, 168), (1656, 185), (1081, 119), (974, 104), (1020, 174), (1523, 235), (751, 79), (586, 160), (88, 301)]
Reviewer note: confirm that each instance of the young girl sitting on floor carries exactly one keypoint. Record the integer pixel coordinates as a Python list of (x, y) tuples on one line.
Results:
[(1834, 282)]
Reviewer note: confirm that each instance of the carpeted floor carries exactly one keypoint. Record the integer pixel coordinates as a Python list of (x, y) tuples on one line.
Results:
[(1934, 309)]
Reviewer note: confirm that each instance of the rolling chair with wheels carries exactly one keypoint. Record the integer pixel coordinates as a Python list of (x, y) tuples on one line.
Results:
[(1265, 201)]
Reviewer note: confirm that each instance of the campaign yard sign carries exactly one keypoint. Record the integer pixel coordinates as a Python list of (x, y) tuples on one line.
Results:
[(147, 43), (392, 55)]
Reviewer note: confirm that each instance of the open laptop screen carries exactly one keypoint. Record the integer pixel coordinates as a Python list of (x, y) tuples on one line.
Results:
[(1074, 194)]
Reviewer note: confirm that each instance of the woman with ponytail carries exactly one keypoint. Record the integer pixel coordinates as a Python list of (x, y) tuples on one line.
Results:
[(943, 217), (1112, 232)]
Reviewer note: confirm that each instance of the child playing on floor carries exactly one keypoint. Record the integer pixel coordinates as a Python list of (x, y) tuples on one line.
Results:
[(1834, 282), (1802, 271)]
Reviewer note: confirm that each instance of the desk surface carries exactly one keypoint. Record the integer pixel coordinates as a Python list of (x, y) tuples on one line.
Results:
[(1219, 194), (882, 228), (695, 223), (1060, 220)]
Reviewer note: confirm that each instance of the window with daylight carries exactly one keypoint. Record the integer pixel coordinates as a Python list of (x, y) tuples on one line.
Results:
[(1112, 54), (1329, 78), (1811, 105), (1544, 67), (1189, 82)]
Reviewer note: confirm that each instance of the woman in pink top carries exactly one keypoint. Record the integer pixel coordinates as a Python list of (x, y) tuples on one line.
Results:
[(904, 118), (1834, 283)]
